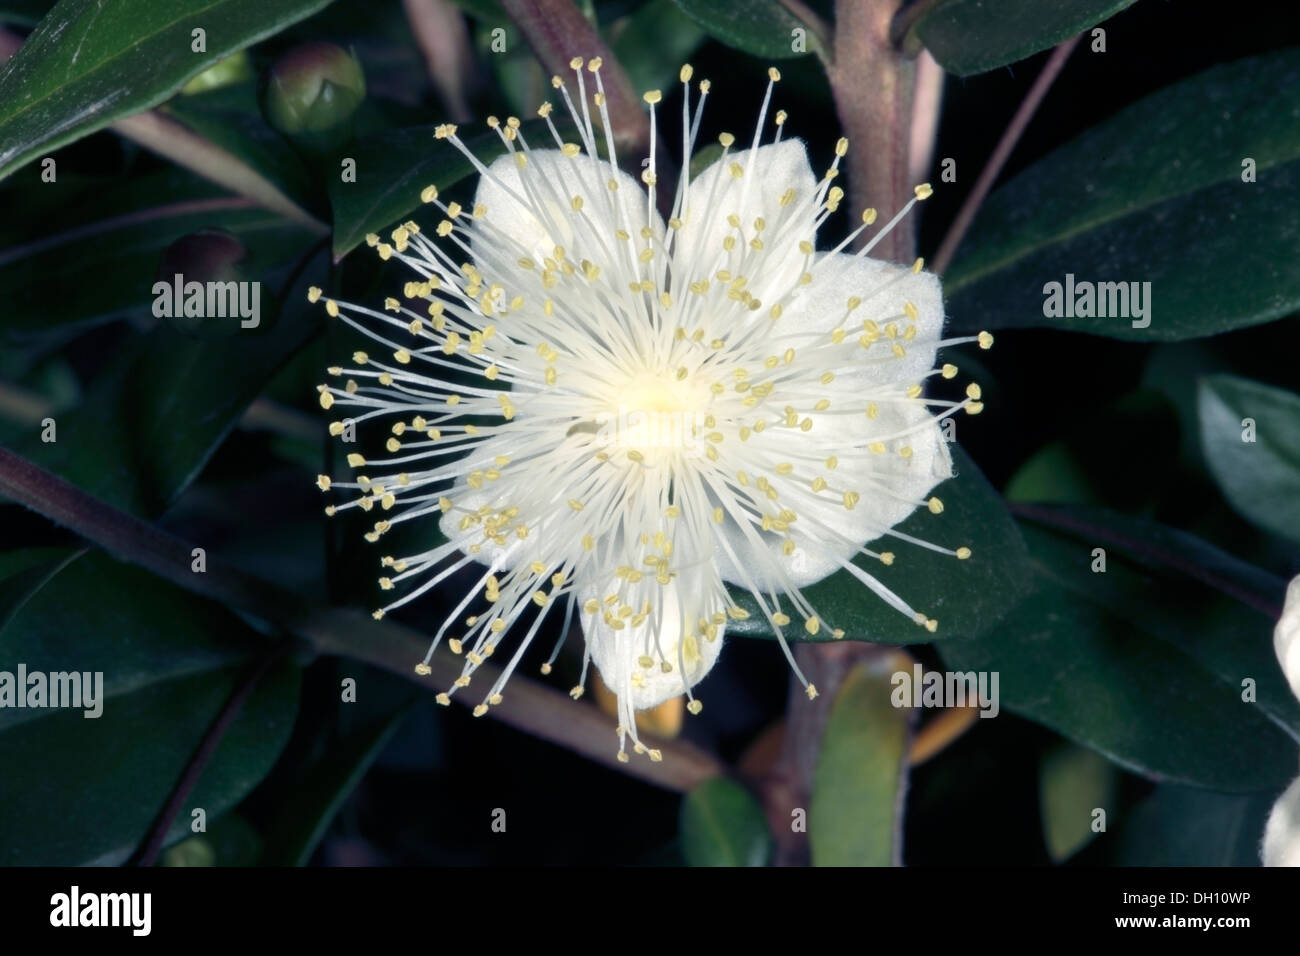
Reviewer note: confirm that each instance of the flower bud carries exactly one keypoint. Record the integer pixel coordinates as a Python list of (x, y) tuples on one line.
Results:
[(235, 68), (314, 89), (203, 257)]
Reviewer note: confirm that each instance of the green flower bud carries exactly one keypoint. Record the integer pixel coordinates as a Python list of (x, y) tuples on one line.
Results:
[(314, 88), (233, 69)]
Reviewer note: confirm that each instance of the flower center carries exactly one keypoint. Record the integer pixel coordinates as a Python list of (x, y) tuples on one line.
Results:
[(659, 411)]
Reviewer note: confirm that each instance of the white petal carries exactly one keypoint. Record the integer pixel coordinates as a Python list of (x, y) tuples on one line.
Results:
[(1286, 637), (531, 212), (715, 194), (1282, 832), (616, 653), (885, 289), (826, 532)]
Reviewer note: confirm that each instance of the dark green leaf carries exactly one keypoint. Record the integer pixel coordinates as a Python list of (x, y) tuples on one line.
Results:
[(653, 66), (99, 615), (78, 790), (971, 36), (1180, 827), (90, 63), (317, 799), (1073, 782), (966, 597), (1259, 477), (1145, 662), (1118, 203), (857, 802), (759, 27), (153, 418), (392, 171), (99, 261), (723, 825)]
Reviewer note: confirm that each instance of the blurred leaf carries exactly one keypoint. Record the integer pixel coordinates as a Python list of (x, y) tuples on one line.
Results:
[(1122, 454), (231, 117), (81, 273), (155, 415), (78, 790), (967, 597), (723, 825), (1118, 203), (90, 63), (971, 36), (313, 804), (1176, 826), (24, 13), (1072, 783), (761, 28), (22, 574), (653, 66), (1260, 478), (393, 170), (488, 11), (857, 801), (1145, 663)]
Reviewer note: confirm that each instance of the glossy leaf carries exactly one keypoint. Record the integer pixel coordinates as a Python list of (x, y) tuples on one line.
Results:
[(90, 63), (723, 825), (79, 790), (759, 27), (1260, 477), (971, 36), (1145, 663), (966, 597), (855, 818), (1118, 203)]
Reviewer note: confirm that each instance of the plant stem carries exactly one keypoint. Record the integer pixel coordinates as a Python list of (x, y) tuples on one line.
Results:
[(873, 86), (1024, 113), (528, 705), (149, 849), (557, 32)]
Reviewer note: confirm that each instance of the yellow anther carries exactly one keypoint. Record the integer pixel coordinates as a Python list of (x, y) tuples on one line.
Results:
[(935, 506)]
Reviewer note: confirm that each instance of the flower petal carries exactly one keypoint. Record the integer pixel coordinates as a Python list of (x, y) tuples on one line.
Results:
[(889, 292), (1282, 831), (777, 186), (531, 211), (621, 655), (1286, 636), (889, 486)]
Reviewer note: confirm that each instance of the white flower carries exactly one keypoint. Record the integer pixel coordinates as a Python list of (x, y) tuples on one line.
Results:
[(1282, 832), (617, 416), (1286, 636)]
